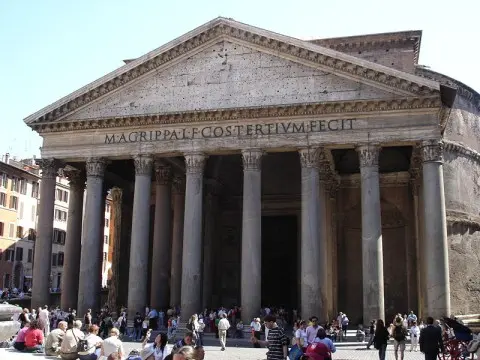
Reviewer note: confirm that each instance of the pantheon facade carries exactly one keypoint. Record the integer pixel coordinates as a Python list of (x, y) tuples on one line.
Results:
[(251, 168)]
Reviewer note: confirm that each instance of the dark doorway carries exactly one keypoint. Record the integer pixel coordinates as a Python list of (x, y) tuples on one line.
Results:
[(279, 261)]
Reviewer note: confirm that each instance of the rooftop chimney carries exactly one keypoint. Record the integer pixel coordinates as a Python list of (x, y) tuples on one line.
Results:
[(7, 156)]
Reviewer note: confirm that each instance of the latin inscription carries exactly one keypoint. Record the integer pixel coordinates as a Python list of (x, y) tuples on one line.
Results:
[(239, 131)]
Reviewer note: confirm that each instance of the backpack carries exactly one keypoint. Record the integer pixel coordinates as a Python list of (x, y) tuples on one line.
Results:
[(82, 346), (399, 333)]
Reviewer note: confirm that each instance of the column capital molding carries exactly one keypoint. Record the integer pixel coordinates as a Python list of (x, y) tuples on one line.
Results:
[(368, 154), (310, 157), (95, 167), (143, 164), (195, 162), (163, 173), (252, 159), (178, 185), (432, 150), (76, 178), (116, 194), (49, 167)]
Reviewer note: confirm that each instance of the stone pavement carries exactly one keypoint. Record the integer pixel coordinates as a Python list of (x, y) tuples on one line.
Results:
[(240, 353)]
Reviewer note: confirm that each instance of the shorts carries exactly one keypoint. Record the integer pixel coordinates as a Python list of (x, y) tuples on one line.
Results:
[(399, 345)]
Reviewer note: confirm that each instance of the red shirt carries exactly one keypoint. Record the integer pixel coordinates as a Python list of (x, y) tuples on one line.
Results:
[(33, 337)]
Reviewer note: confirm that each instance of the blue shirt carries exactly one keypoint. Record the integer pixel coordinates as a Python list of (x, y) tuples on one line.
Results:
[(327, 342)]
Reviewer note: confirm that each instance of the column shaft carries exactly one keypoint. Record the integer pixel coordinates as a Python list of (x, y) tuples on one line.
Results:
[(137, 281), (73, 244), (192, 237), (116, 218), (312, 299), (43, 243), (372, 250), (435, 242), (91, 256), (160, 297), (251, 275), (177, 240)]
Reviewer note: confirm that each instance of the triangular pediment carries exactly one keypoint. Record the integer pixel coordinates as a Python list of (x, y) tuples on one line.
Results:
[(226, 64)]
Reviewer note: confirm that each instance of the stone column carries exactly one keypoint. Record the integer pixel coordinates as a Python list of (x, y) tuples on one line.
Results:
[(192, 236), (330, 225), (115, 240), (73, 244), (160, 297), (211, 207), (43, 244), (177, 240), (251, 276), (312, 294), (91, 255), (137, 281), (437, 276), (372, 251)]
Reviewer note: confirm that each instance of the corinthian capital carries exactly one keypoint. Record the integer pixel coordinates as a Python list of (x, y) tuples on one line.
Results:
[(178, 185), (96, 167), (310, 157), (49, 167), (432, 151), (195, 163), (368, 154), (163, 173), (143, 164), (252, 159), (76, 178)]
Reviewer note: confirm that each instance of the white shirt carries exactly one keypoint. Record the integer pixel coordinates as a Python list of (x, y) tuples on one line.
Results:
[(223, 324), (302, 334), (256, 326), (112, 344), (414, 330), (157, 353), (92, 341), (43, 315)]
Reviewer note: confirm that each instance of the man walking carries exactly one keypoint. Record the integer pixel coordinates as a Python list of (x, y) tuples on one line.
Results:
[(223, 326), (431, 342)]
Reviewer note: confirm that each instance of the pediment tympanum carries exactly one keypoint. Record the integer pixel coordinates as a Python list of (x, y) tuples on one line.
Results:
[(224, 76)]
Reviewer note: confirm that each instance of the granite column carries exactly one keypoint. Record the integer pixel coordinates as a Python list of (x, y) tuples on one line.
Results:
[(160, 297), (191, 299), (137, 280), (43, 243), (73, 241), (177, 240), (372, 248), (91, 255), (115, 239), (312, 295), (251, 275), (437, 275)]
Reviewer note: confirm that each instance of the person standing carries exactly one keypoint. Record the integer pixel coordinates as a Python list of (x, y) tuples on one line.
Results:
[(381, 339), (312, 330), (414, 336), (371, 333), (431, 342), (43, 320), (277, 341), (399, 334), (223, 326)]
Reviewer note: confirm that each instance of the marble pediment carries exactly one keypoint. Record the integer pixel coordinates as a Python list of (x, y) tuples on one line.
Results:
[(226, 64)]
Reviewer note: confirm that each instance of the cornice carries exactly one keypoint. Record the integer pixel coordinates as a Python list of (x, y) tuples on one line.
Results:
[(304, 109), (457, 148), (459, 217), (281, 45)]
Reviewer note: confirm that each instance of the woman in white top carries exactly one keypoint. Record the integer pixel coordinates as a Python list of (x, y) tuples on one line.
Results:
[(301, 335), (414, 336), (94, 344), (158, 350)]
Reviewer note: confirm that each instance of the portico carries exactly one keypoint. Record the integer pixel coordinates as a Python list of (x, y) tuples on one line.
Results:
[(208, 147)]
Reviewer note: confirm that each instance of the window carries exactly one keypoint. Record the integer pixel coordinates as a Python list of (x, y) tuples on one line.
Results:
[(2, 228), (14, 202), (19, 254), (3, 180), (34, 213), (19, 231), (106, 239), (11, 231), (59, 236), (35, 188), (60, 259), (15, 184), (30, 256), (104, 256), (3, 199), (32, 235), (107, 223), (21, 210), (65, 196), (107, 208), (54, 260), (60, 215), (9, 255), (61, 195), (23, 186)]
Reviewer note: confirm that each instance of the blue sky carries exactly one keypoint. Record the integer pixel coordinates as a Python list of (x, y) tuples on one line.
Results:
[(52, 47)]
